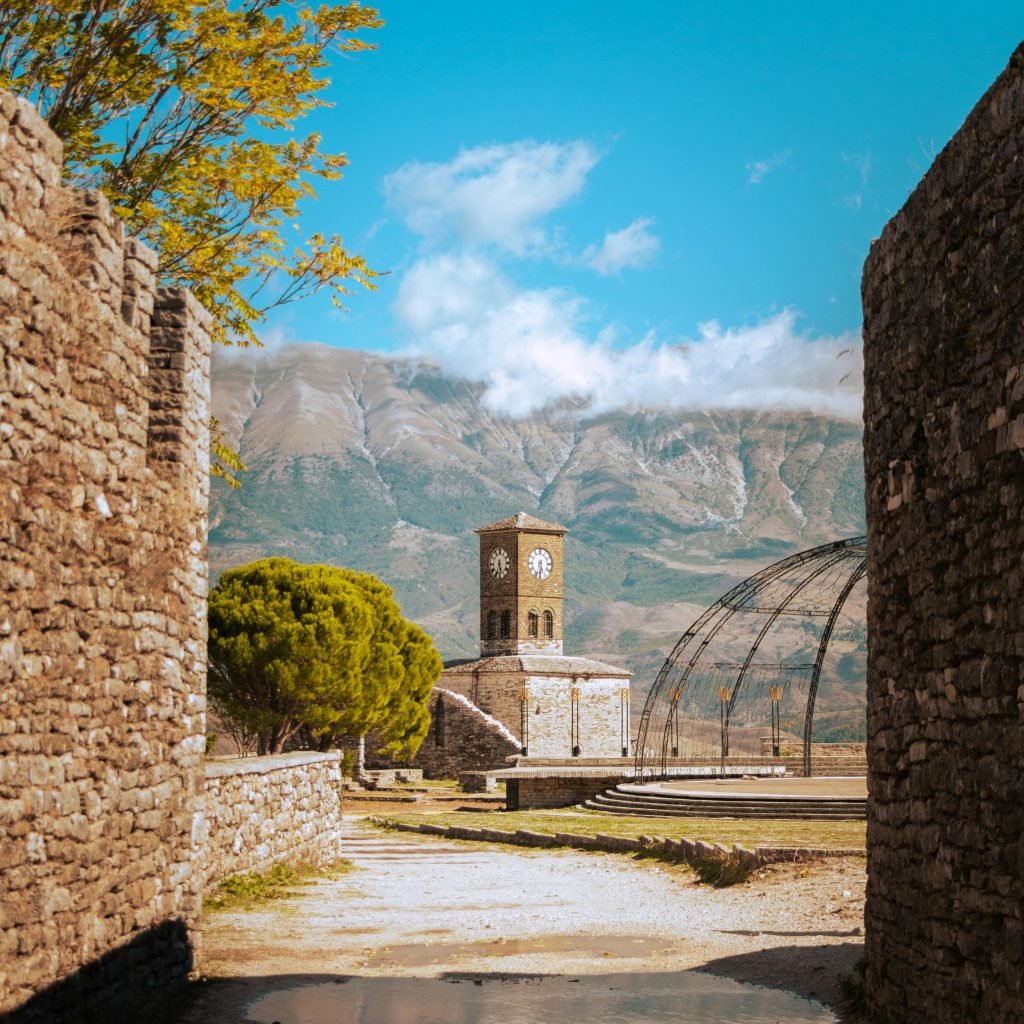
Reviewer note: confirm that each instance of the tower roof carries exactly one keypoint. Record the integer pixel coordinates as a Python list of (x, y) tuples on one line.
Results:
[(522, 521)]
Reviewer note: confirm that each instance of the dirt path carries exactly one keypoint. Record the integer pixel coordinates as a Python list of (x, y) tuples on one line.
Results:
[(421, 908)]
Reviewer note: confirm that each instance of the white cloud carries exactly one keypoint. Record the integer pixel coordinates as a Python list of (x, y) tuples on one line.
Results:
[(491, 194), (533, 347), (861, 163), (757, 170), (633, 246)]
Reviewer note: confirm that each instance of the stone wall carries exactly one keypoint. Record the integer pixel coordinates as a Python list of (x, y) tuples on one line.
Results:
[(552, 705), (944, 449), (461, 738), (260, 810), (819, 751), (104, 413), (525, 790)]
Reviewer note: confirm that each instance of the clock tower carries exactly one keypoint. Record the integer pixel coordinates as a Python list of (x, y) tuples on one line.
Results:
[(522, 586)]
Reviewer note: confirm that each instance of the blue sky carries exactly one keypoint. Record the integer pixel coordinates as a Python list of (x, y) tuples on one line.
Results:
[(657, 203)]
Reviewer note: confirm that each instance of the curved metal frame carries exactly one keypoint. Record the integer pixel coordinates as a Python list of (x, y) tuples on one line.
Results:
[(809, 567)]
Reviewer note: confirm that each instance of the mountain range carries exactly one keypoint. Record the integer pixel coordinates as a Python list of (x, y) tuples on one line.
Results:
[(387, 465)]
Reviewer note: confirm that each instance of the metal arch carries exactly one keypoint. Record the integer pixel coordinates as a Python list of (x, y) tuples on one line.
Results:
[(748, 596), (735, 600), (819, 570), (826, 635)]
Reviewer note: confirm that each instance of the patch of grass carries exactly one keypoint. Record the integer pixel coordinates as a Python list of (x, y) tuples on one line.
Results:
[(748, 831), (252, 888), (721, 873), (451, 784)]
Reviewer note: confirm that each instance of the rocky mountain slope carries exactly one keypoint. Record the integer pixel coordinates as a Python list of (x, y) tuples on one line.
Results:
[(387, 465)]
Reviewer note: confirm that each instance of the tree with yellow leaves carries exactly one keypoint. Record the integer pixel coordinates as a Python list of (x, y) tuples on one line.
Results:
[(181, 112)]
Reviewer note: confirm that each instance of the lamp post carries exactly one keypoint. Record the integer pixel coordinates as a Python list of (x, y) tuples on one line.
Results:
[(524, 719), (775, 695), (574, 698), (673, 696), (624, 719), (723, 699)]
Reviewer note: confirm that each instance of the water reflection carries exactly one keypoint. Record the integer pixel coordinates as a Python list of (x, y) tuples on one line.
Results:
[(686, 997)]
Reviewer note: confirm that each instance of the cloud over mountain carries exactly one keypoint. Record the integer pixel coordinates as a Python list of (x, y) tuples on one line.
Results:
[(532, 347)]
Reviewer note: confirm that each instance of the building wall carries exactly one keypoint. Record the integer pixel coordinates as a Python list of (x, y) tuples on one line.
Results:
[(260, 810), (943, 297), (104, 413), (549, 729), (538, 791), (462, 738)]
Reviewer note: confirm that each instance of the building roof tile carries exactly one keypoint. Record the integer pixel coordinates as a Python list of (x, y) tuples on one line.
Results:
[(522, 521)]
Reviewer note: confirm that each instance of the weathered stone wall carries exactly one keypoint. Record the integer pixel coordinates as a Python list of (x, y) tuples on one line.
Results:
[(260, 810), (569, 702), (462, 738), (104, 413), (561, 790), (819, 751), (944, 449)]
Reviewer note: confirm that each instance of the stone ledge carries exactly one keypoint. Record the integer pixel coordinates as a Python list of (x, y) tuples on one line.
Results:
[(269, 763), (687, 850)]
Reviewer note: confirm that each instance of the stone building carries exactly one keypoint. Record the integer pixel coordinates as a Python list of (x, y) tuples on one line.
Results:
[(944, 459), (541, 703)]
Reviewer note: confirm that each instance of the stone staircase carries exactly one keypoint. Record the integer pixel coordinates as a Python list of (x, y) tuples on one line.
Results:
[(644, 801)]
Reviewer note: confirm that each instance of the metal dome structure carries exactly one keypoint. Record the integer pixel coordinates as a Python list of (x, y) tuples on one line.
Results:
[(753, 655)]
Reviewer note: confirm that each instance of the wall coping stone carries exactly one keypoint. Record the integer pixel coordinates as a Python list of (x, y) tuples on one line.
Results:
[(686, 849), (218, 769), (610, 772)]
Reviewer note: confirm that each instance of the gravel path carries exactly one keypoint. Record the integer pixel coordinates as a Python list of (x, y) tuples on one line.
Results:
[(417, 907)]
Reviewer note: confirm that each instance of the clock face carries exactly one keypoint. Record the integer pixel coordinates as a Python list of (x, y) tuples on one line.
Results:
[(540, 563), (499, 563)]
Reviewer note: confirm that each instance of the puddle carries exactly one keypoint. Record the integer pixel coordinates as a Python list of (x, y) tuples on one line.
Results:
[(421, 954), (688, 996)]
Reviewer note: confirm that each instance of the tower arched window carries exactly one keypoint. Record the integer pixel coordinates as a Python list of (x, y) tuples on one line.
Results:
[(531, 625), (549, 625), (506, 625), (492, 625)]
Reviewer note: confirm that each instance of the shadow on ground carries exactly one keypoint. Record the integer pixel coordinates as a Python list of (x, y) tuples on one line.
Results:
[(470, 998), (816, 972)]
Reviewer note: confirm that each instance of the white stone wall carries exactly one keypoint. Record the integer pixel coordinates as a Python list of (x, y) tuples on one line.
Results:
[(260, 810), (549, 729), (550, 712)]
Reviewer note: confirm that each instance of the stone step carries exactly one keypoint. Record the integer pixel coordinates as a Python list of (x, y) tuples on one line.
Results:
[(706, 812), (686, 805), (620, 792), (847, 808)]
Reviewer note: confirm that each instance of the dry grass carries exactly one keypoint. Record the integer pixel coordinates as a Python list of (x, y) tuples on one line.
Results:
[(748, 831), (245, 891)]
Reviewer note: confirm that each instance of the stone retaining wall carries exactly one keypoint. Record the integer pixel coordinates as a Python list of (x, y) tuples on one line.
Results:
[(690, 851), (555, 790), (943, 297), (820, 752), (260, 810), (104, 463), (462, 738)]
